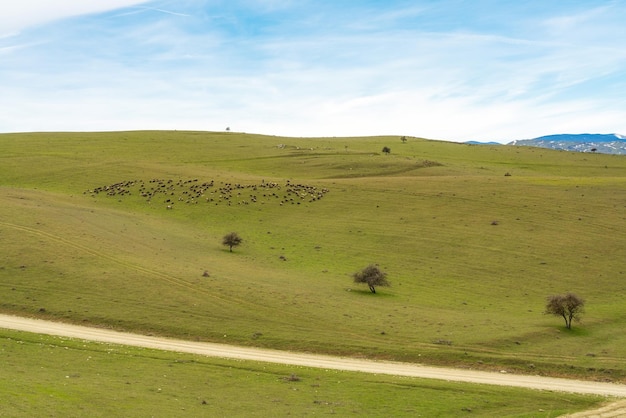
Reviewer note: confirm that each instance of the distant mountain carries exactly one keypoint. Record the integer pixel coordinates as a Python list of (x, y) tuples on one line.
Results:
[(602, 143), (482, 143)]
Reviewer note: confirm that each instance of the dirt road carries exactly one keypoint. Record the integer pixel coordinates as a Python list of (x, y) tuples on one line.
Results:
[(310, 360)]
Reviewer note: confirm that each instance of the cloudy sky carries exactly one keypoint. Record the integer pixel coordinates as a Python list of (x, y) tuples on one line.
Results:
[(487, 70)]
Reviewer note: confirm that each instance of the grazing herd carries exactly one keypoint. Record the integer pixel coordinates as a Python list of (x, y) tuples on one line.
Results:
[(170, 193)]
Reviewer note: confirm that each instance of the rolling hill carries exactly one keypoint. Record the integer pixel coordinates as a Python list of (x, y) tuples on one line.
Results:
[(123, 230)]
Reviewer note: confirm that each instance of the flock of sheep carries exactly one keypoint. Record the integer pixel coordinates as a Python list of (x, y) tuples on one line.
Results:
[(170, 192)]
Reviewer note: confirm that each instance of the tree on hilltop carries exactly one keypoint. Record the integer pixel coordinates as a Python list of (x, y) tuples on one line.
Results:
[(372, 276), (568, 306), (231, 240)]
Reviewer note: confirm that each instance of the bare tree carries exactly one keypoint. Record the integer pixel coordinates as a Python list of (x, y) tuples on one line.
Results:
[(569, 306), (371, 275), (231, 240)]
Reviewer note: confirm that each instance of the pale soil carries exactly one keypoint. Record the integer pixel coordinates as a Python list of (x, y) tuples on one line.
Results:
[(327, 362), (612, 410)]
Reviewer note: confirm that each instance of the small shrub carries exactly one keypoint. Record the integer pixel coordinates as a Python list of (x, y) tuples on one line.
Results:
[(231, 240), (372, 276)]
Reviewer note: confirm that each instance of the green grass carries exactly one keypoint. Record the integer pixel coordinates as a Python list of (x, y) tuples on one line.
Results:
[(53, 376), (471, 253)]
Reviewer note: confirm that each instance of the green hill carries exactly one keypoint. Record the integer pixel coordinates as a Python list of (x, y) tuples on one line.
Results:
[(124, 230)]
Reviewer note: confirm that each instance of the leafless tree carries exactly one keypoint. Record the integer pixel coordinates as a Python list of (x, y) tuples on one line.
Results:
[(231, 240), (371, 275), (569, 306)]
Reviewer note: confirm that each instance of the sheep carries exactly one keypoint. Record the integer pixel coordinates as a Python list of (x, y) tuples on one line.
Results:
[(194, 190)]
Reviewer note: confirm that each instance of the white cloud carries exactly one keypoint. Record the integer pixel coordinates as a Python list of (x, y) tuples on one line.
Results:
[(565, 24), (16, 15), (175, 65)]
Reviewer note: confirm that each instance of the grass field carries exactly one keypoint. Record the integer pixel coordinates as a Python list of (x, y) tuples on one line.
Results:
[(471, 253), (52, 376)]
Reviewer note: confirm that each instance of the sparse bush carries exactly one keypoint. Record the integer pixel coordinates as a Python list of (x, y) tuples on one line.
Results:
[(569, 306), (231, 240), (371, 275)]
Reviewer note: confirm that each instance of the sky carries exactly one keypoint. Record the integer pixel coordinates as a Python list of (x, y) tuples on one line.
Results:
[(456, 70)]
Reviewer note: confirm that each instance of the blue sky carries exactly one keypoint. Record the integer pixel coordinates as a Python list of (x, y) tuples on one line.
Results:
[(487, 70)]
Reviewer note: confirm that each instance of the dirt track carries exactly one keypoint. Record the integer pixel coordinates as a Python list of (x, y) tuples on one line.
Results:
[(325, 362)]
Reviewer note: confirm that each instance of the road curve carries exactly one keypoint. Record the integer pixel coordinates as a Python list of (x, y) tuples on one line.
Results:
[(310, 360)]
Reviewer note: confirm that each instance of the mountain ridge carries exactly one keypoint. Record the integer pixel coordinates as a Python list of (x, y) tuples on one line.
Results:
[(601, 143)]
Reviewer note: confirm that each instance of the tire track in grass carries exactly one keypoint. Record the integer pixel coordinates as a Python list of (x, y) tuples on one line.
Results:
[(226, 302), (90, 251)]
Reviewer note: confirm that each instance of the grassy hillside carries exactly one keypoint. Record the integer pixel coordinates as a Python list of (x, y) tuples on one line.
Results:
[(471, 252)]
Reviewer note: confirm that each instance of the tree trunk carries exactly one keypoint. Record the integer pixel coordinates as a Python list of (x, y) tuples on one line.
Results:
[(372, 289), (568, 321)]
